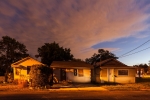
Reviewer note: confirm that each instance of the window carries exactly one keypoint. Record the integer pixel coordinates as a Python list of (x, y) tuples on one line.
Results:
[(122, 72), (75, 72), (17, 71), (80, 72), (28, 69)]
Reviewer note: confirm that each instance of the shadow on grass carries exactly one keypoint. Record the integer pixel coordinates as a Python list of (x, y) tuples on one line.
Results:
[(95, 84), (54, 88), (141, 80), (107, 84)]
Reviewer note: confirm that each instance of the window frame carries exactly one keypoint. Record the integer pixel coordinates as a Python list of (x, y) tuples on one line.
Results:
[(124, 72)]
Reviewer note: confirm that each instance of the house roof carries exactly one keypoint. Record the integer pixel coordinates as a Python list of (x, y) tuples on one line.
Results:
[(27, 61), (70, 64), (113, 63)]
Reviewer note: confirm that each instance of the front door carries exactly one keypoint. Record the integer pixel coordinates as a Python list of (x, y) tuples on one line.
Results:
[(62, 74), (110, 75)]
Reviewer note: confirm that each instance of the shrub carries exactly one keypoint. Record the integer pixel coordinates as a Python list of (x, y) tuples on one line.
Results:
[(39, 75), (22, 83), (15, 81)]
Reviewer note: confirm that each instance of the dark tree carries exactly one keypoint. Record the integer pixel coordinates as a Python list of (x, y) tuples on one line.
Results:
[(50, 52), (77, 59), (144, 66), (10, 52), (102, 55)]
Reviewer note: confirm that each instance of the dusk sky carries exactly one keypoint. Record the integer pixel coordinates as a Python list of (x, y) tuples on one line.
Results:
[(84, 26)]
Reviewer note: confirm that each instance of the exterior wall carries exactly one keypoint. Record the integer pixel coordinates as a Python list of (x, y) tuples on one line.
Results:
[(86, 78), (125, 79), (111, 75), (22, 74)]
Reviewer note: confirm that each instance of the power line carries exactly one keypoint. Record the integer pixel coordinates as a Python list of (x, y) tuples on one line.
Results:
[(135, 52), (135, 48)]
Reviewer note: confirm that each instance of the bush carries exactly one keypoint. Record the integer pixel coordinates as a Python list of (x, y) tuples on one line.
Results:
[(22, 83), (39, 75), (15, 82)]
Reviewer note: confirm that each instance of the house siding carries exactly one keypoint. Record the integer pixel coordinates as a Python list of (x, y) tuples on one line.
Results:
[(70, 77), (28, 61), (22, 74), (114, 77), (125, 79)]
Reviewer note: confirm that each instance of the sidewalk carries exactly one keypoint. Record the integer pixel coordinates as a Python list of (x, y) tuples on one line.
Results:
[(77, 87), (81, 89)]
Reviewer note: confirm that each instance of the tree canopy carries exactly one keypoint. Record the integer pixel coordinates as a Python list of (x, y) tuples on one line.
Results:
[(102, 55), (10, 52), (144, 66), (50, 52)]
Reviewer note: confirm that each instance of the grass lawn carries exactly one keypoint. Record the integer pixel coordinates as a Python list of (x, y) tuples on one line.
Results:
[(140, 85), (128, 87)]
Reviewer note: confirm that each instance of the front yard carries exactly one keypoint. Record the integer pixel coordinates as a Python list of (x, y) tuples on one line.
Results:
[(128, 87), (110, 87)]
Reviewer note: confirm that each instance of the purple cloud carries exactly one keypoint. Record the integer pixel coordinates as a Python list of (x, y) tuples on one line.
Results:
[(75, 24)]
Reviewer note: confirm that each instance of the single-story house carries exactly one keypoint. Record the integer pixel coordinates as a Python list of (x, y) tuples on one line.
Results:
[(72, 71), (112, 70), (21, 68)]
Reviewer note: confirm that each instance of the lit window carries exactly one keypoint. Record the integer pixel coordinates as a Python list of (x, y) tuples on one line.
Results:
[(122, 72), (75, 72), (80, 72)]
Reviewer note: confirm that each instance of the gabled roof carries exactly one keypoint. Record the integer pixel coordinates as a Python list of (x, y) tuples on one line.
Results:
[(70, 64), (111, 63), (27, 61)]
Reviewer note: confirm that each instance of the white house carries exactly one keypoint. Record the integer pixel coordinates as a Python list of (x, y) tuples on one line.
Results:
[(72, 71)]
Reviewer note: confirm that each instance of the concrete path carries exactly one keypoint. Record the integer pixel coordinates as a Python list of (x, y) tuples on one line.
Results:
[(82, 89), (78, 87)]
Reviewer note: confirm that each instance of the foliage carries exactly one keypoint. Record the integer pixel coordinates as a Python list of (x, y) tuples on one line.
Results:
[(39, 75), (149, 62), (75, 59), (144, 66), (53, 52), (102, 55), (10, 52), (143, 84)]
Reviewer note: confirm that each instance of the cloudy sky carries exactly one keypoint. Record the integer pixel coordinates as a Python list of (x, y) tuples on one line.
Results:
[(84, 26)]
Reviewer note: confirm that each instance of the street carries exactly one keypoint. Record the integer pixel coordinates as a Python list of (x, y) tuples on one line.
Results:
[(74, 95)]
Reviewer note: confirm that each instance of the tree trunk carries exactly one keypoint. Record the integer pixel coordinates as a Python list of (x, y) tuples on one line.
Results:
[(6, 76)]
